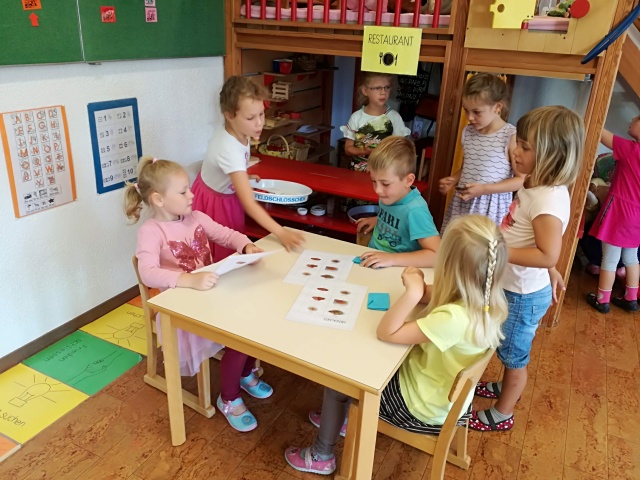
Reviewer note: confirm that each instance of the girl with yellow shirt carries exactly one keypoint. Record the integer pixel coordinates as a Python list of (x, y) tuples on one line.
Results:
[(466, 307)]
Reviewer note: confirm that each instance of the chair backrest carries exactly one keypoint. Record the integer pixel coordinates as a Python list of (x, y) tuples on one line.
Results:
[(149, 314), (470, 375)]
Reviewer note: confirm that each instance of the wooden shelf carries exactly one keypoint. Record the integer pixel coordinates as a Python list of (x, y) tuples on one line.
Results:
[(337, 222), (296, 74), (320, 130), (318, 152), (287, 123)]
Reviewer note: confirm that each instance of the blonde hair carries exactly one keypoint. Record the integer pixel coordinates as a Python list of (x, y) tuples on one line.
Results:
[(488, 88), (365, 80), (394, 153), (153, 177), (556, 135), (236, 88), (470, 264)]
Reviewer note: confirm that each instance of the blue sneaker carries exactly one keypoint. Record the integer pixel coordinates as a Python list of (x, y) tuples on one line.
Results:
[(244, 422), (259, 390)]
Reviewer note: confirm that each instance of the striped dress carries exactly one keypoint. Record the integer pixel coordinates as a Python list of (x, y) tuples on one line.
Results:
[(486, 160)]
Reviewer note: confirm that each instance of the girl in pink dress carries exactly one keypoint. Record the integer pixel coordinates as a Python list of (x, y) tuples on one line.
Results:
[(171, 245), (222, 189), (618, 223)]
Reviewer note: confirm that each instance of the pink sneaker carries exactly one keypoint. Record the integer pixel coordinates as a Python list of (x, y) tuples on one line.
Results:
[(314, 418), (303, 460)]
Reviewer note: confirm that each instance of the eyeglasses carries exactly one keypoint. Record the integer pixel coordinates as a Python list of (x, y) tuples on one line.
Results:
[(386, 88)]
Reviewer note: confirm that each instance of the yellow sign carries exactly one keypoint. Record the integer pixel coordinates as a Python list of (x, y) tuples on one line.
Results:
[(31, 401), (391, 50), (123, 326)]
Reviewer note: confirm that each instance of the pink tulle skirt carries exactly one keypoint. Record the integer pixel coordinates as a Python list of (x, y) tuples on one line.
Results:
[(192, 350), (224, 209)]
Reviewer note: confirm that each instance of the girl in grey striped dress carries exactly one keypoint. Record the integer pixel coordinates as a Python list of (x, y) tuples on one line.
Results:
[(487, 179)]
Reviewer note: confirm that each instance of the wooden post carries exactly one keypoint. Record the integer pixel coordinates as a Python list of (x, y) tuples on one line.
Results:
[(233, 56), (448, 112), (599, 99)]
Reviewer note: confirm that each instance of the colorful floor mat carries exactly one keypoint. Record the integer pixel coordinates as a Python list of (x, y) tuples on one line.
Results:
[(84, 362)]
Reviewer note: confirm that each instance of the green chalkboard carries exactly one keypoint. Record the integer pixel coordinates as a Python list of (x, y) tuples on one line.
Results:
[(73, 31), (47, 35), (184, 28)]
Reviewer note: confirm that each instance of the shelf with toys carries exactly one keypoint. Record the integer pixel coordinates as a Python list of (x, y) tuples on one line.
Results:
[(331, 185)]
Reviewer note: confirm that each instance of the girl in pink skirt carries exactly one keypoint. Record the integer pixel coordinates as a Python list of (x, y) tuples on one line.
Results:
[(618, 223), (222, 189)]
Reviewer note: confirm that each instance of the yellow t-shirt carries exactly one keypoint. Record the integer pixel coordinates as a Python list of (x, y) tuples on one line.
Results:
[(427, 375)]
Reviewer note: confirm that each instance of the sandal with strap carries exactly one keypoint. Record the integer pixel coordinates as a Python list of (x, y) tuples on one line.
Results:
[(260, 390), (476, 424), (484, 392), (244, 422)]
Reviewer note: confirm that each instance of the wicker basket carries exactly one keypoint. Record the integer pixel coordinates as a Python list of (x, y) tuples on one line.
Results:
[(284, 149)]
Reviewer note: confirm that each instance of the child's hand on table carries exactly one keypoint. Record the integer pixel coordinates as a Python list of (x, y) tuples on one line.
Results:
[(376, 259), (198, 281), (251, 248), (366, 225), (290, 240)]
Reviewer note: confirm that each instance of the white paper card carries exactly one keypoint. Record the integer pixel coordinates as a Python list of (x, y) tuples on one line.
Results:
[(322, 266), (328, 304), (238, 261)]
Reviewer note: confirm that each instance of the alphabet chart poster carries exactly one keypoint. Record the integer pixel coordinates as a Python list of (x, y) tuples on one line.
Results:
[(115, 137), (38, 155)]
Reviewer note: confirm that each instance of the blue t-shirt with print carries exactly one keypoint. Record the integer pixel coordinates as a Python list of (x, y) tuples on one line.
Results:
[(401, 224)]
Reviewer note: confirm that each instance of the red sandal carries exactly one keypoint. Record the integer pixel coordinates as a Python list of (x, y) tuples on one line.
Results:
[(476, 424), (484, 392)]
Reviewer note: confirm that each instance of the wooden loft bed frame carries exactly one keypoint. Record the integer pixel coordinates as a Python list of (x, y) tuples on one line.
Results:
[(459, 50)]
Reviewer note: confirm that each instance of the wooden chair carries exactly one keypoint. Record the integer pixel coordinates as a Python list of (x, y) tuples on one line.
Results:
[(440, 446), (201, 403)]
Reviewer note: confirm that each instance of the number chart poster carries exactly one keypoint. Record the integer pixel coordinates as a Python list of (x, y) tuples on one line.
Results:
[(115, 137), (38, 155)]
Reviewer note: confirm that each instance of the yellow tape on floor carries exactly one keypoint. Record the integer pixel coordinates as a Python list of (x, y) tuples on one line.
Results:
[(123, 326), (31, 401)]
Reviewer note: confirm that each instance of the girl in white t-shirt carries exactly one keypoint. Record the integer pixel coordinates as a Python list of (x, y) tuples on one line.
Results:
[(373, 122), (463, 318), (548, 152), (222, 189)]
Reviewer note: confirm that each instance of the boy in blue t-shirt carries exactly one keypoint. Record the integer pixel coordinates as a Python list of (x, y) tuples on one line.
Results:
[(404, 234)]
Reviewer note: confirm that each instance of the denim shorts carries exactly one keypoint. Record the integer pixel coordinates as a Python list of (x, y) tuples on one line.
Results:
[(525, 313)]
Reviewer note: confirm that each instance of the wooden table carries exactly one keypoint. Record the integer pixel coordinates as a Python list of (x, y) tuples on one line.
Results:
[(246, 311)]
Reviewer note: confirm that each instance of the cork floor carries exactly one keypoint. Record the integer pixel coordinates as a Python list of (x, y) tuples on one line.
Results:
[(577, 420)]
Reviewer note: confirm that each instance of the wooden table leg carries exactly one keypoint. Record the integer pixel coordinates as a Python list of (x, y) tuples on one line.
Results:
[(346, 464), (174, 382), (368, 410)]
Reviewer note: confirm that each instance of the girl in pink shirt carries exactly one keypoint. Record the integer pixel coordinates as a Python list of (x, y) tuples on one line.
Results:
[(618, 223), (171, 245)]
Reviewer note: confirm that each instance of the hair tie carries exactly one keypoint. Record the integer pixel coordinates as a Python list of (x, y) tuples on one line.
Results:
[(135, 185), (486, 308), (154, 160)]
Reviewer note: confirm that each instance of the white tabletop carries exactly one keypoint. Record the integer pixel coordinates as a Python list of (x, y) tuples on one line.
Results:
[(253, 301)]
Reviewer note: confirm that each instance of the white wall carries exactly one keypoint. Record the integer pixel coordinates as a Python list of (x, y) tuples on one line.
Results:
[(60, 263)]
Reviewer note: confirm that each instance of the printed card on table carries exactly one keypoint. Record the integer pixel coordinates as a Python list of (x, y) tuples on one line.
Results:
[(328, 304), (323, 266), (115, 138), (38, 155)]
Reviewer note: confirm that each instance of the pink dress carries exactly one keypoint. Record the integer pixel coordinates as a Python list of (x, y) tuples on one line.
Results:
[(618, 222), (165, 250), (213, 191)]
